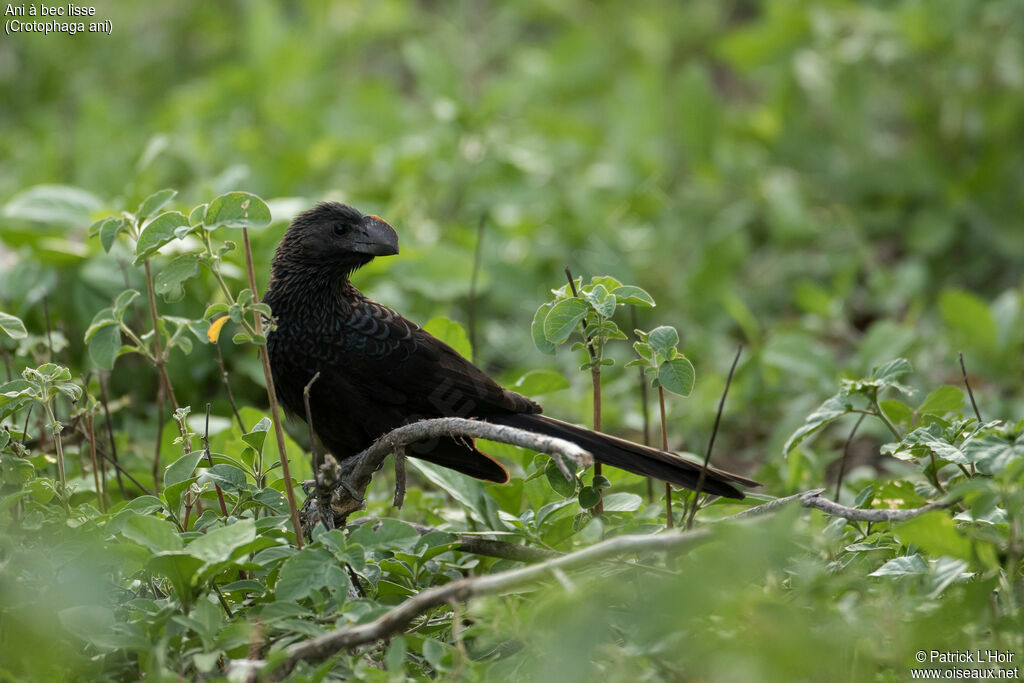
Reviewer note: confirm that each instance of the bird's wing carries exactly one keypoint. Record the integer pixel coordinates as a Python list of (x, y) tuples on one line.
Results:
[(397, 362)]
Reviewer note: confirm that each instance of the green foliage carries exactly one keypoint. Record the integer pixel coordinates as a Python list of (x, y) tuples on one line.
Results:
[(587, 309), (834, 185), (661, 361)]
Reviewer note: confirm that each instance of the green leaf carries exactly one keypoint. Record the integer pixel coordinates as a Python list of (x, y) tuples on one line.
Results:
[(663, 340), (606, 281), (214, 310), (434, 651), (622, 502), (157, 233), (123, 301), (154, 203), (451, 333), (394, 658), (58, 204), (104, 345), (182, 468), (946, 399), (993, 453), (601, 300), (829, 411), (643, 349), (563, 318), (385, 534), (15, 390), (945, 571), (589, 497), (932, 438), (468, 491), (907, 565), (71, 390), (103, 318), (228, 477), (537, 382), (237, 210), (197, 215), (169, 282), (12, 326), (257, 436), (898, 412), (537, 330), (557, 481), (155, 534), (936, 534), (307, 572), (677, 376), (179, 567), (87, 621), (217, 545), (888, 373), (108, 229), (633, 296)]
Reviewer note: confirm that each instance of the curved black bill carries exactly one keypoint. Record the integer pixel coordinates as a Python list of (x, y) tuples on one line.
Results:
[(376, 238)]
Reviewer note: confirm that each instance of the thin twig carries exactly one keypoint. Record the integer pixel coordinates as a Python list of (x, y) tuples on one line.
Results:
[(313, 443), (158, 354), (967, 384), (669, 520), (645, 409), (126, 473), (159, 434), (95, 467), (209, 459), (471, 301), (227, 386), (595, 380), (275, 413), (400, 616), (104, 401), (24, 429), (970, 392), (711, 442), (846, 454)]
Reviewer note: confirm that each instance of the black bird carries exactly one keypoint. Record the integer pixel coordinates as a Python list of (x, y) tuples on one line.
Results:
[(379, 371)]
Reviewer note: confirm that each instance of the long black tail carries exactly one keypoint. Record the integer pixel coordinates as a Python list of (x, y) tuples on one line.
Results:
[(631, 457)]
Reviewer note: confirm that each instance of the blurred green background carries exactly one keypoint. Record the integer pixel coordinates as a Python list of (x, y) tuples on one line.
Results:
[(831, 184)]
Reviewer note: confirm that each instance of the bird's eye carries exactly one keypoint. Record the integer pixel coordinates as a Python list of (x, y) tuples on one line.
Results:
[(340, 229)]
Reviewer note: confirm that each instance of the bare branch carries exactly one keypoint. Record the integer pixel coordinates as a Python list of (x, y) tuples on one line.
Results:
[(398, 618), (353, 475), (813, 499)]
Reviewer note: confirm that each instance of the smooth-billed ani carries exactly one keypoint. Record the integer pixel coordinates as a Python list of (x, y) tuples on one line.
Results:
[(379, 371)]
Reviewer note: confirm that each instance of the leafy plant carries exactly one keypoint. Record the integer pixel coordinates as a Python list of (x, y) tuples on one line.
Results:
[(591, 308), (666, 368)]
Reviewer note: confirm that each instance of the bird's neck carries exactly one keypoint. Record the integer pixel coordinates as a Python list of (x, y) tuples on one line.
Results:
[(299, 291)]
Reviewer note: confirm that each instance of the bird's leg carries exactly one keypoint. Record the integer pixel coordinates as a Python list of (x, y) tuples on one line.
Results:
[(399, 477)]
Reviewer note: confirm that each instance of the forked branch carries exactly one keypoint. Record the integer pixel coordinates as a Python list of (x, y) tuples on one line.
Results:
[(353, 474)]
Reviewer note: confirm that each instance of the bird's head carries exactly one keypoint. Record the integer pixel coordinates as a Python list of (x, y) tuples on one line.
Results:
[(336, 237)]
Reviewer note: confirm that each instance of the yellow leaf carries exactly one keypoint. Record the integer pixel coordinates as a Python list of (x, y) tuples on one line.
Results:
[(215, 327)]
